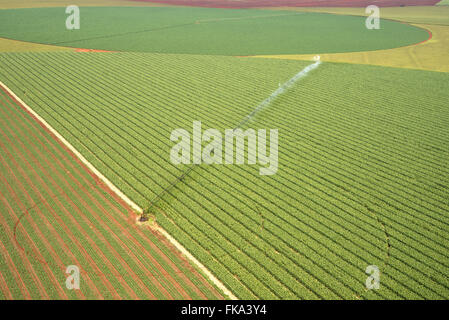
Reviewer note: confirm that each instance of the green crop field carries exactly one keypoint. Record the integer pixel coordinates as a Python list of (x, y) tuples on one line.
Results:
[(205, 31), (358, 167)]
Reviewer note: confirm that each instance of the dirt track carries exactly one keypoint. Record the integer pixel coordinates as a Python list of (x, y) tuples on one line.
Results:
[(429, 55)]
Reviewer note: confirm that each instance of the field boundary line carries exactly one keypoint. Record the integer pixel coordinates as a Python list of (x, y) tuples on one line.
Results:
[(120, 194)]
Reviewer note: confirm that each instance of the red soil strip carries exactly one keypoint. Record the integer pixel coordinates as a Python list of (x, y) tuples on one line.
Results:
[(181, 290), (233, 4)]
